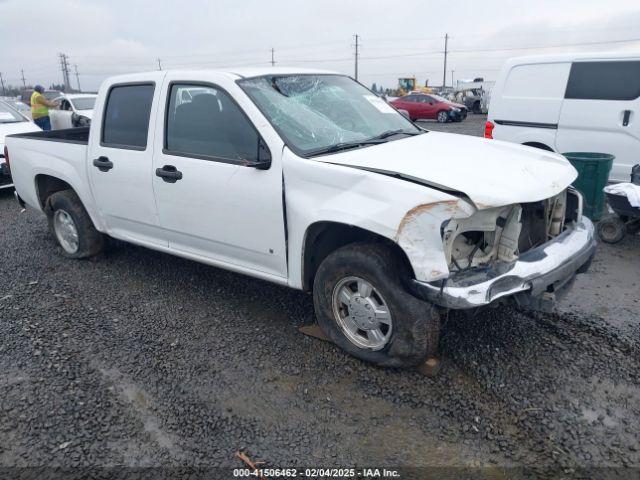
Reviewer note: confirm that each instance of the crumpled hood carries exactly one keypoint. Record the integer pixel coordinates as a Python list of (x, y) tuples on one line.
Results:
[(490, 172)]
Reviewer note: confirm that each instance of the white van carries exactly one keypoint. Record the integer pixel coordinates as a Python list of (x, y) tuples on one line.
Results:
[(569, 103)]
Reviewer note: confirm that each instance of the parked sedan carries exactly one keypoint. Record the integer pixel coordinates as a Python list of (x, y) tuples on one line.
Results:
[(21, 107), (421, 106), (74, 111), (11, 121)]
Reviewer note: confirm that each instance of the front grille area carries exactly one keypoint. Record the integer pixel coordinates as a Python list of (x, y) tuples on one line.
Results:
[(534, 225), (503, 233)]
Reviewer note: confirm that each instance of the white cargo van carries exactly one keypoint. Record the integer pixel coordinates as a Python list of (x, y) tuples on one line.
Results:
[(571, 102)]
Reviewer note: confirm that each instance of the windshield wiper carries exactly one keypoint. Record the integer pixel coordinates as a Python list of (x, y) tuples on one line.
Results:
[(345, 146), (377, 140), (390, 133)]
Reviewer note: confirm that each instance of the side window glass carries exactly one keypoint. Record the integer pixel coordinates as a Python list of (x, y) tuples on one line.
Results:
[(126, 117), (205, 121), (607, 80)]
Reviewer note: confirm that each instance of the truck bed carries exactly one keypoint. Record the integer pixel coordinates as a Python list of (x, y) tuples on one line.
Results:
[(70, 135), (61, 154)]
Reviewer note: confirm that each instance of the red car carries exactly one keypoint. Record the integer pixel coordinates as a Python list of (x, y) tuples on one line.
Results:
[(420, 106)]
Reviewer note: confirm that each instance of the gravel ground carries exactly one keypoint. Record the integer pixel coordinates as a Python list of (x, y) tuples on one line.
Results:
[(140, 359)]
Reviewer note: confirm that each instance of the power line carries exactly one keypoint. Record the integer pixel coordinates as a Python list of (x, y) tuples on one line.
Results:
[(535, 47)]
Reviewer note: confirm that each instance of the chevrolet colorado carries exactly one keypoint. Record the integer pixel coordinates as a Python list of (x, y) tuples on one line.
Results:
[(307, 179)]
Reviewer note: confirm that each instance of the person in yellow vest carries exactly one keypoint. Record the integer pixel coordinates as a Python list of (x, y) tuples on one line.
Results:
[(40, 108)]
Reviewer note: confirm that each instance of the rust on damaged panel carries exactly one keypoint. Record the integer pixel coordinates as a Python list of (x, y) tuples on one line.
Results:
[(449, 206)]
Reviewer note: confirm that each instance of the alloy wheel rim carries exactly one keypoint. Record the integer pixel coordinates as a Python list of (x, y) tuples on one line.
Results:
[(66, 231), (362, 313)]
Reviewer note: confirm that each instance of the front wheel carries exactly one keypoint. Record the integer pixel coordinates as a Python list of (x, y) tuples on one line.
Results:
[(363, 308), (443, 117)]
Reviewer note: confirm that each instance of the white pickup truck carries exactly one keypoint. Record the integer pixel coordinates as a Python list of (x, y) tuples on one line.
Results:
[(307, 179)]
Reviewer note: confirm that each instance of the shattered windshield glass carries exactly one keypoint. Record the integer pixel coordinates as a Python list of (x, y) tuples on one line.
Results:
[(317, 112)]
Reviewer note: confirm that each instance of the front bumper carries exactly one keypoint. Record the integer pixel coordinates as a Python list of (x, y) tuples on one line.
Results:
[(538, 272), (459, 115)]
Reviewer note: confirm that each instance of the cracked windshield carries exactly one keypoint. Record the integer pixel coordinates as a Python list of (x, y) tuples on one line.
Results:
[(325, 113)]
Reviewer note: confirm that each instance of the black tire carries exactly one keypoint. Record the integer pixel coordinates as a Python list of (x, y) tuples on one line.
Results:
[(476, 107), (611, 229), (442, 118), (416, 324), (90, 241)]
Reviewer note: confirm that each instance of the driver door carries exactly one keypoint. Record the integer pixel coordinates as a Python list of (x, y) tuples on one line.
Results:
[(427, 107), (217, 199)]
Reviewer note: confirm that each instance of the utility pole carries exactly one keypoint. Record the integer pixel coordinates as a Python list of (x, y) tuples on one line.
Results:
[(65, 71), (24, 83), (77, 77), (452, 84), (357, 54), (444, 73), (273, 60), (2, 82), (159, 64)]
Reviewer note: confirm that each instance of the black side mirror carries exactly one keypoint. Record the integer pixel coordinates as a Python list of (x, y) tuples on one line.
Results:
[(264, 157)]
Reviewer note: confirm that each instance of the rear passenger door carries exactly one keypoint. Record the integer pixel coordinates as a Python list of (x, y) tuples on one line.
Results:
[(213, 204), (120, 163), (600, 112)]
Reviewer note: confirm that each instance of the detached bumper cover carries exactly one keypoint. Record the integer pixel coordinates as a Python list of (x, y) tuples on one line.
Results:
[(553, 265)]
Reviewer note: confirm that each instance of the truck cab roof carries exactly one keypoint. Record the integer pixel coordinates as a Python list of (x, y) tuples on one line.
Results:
[(232, 73)]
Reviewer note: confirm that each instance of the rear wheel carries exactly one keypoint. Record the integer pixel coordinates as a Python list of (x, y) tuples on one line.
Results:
[(362, 307), (611, 229), (72, 227), (442, 117)]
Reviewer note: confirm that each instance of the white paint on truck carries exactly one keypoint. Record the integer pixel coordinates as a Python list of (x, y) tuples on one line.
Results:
[(275, 172)]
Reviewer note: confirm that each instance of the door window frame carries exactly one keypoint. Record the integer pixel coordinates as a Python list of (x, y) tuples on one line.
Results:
[(211, 158), (104, 115)]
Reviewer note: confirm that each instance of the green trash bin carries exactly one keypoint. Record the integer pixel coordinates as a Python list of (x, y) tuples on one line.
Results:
[(593, 173)]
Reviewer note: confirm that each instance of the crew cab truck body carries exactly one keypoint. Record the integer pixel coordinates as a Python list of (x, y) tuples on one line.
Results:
[(307, 179)]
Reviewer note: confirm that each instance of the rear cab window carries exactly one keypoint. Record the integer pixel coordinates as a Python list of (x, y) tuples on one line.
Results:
[(126, 116), (604, 80)]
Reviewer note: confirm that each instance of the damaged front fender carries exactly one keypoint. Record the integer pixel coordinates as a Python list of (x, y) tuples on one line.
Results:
[(419, 234)]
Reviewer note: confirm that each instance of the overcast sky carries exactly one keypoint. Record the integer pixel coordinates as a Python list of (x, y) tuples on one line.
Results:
[(401, 38)]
